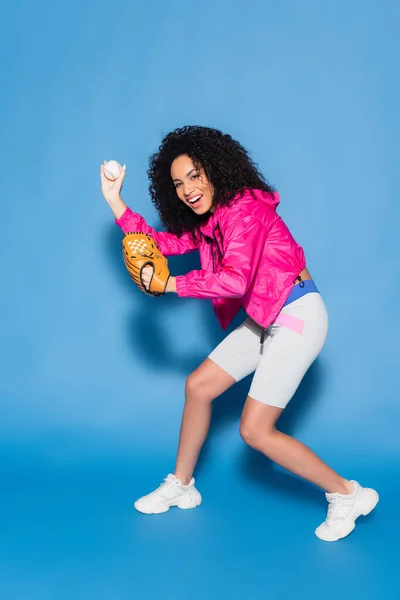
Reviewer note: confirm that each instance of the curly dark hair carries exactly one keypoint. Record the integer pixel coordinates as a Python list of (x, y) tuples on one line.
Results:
[(226, 164)]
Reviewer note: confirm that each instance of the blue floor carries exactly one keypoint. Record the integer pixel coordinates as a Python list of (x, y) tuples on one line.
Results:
[(69, 529)]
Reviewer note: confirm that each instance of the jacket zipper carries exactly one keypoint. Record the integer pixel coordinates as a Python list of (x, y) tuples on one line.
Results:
[(214, 246)]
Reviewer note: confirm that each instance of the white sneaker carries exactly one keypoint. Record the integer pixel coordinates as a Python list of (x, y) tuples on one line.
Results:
[(343, 511), (170, 493)]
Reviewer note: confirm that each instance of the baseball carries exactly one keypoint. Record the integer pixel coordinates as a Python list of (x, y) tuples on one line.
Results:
[(112, 170)]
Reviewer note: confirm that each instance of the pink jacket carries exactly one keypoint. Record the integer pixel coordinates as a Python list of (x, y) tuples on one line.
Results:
[(248, 257)]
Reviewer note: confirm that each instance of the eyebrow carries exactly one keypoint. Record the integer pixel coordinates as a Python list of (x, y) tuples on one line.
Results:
[(187, 174)]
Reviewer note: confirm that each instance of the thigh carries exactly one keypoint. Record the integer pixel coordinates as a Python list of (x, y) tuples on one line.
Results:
[(288, 354), (239, 353), (208, 381)]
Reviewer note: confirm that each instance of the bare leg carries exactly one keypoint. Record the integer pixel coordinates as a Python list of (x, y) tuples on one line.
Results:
[(205, 384), (257, 428)]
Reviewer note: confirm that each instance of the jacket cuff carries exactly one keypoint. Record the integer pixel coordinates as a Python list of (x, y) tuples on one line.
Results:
[(181, 287), (124, 217)]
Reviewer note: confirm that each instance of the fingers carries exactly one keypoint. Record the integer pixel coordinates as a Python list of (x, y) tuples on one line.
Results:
[(102, 176), (122, 174), (147, 274)]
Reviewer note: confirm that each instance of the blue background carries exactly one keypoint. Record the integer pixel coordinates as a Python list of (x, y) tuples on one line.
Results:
[(93, 372)]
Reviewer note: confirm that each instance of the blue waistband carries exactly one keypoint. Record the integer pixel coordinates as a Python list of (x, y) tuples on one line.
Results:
[(300, 290)]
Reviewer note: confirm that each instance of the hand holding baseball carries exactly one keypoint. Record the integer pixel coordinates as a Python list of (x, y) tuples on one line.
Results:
[(112, 177)]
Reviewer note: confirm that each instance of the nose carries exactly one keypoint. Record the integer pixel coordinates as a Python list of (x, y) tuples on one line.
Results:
[(188, 189)]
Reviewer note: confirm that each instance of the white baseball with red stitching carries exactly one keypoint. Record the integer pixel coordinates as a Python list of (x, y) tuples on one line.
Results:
[(112, 170)]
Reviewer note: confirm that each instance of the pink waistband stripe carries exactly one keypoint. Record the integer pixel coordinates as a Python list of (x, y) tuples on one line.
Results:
[(293, 323)]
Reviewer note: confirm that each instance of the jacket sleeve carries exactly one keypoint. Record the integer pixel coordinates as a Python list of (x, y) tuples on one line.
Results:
[(168, 243), (244, 242)]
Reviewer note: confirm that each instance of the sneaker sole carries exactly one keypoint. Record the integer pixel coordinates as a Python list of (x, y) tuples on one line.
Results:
[(182, 503), (366, 506)]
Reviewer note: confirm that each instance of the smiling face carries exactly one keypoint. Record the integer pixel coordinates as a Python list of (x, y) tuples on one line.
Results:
[(192, 185)]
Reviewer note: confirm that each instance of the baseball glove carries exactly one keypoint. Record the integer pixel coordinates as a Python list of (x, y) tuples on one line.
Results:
[(139, 251)]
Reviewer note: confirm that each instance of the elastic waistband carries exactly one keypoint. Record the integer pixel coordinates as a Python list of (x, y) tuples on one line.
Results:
[(305, 286), (301, 289)]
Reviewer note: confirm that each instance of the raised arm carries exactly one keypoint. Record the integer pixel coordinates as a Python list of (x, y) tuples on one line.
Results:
[(168, 243)]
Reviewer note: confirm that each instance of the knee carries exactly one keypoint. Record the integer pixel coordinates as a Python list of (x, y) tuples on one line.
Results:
[(255, 436), (250, 433), (197, 389)]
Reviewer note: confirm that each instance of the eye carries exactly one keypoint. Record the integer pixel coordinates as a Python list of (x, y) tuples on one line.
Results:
[(195, 176), (177, 185)]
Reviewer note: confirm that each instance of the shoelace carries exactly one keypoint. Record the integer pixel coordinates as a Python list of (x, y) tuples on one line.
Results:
[(334, 505), (167, 483)]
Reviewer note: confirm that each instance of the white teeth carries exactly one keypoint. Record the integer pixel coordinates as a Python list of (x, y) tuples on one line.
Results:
[(194, 199)]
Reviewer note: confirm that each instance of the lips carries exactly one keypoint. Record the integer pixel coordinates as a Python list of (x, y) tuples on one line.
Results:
[(195, 200)]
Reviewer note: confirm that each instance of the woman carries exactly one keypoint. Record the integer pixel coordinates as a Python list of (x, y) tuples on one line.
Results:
[(211, 197)]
